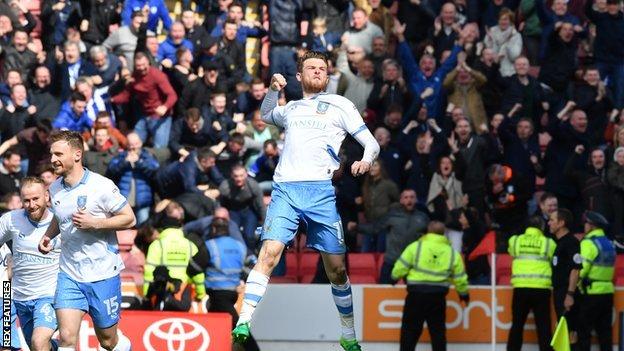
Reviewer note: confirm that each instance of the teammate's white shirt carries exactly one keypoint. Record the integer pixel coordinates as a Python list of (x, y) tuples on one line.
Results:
[(5, 254), (87, 255), (34, 274), (315, 129)]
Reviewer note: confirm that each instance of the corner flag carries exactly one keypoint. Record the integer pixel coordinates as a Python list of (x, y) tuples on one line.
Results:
[(561, 339)]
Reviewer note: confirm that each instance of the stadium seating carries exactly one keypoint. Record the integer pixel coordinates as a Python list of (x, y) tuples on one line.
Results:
[(380, 260), (292, 270), (125, 238), (307, 266), (503, 269), (362, 264)]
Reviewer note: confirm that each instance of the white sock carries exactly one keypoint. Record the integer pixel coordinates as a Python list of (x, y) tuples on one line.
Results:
[(123, 344), (344, 303), (66, 349), (254, 291)]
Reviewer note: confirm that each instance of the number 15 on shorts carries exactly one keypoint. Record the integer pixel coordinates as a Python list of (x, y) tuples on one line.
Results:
[(112, 306)]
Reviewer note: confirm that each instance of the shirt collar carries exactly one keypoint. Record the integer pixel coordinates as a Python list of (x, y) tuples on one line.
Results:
[(83, 180)]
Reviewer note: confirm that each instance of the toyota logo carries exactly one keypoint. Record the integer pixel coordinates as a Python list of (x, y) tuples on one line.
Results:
[(179, 330)]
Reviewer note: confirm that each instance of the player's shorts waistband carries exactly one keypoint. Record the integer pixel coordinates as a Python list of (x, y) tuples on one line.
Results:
[(305, 184)]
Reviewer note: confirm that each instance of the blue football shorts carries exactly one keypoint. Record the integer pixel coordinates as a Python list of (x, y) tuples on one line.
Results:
[(101, 299), (37, 313), (312, 203)]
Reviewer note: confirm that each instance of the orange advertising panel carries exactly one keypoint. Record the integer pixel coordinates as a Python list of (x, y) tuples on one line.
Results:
[(167, 331), (383, 308)]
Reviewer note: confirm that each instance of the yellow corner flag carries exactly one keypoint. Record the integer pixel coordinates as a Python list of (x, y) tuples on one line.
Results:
[(561, 339)]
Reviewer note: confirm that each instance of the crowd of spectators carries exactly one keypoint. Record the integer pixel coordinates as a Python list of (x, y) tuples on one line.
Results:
[(486, 111)]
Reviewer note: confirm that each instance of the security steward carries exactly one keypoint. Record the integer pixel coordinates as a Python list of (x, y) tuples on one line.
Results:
[(170, 269), (223, 273), (596, 306), (531, 276), (429, 265), (566, 265)]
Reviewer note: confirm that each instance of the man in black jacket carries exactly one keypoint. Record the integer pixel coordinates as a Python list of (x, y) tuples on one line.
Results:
[(566, 135), (197, 94), (195, 33), (559, 63), (10, 172), (590, 181), (609, 46), (99, 15), (235, 53), (524, 90), (285, 17), (474, 150), (47, 105), (593, 97), (192, 132)]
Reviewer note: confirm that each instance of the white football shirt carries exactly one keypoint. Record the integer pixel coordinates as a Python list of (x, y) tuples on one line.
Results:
[(87, 255), (34, 274), (314, 131), (5, 254)]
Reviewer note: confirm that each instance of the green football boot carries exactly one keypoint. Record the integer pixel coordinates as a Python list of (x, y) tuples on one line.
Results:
[(241, 333), (350, 345)]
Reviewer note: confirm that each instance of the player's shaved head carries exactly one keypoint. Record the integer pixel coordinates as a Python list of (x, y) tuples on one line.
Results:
[(436, 227)]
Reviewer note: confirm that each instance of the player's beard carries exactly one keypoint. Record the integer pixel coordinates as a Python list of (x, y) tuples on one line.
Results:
[(314, 86)]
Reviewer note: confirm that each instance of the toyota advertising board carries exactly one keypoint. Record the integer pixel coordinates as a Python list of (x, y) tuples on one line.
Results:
[(167, 331)]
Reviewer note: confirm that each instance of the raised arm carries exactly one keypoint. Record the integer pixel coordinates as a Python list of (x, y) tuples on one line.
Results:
[(270, 112)]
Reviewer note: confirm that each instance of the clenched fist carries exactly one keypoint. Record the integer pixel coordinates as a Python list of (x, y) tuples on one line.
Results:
[(278, 82)]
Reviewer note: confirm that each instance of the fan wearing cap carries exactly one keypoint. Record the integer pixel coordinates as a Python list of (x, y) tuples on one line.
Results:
[(596, 276)]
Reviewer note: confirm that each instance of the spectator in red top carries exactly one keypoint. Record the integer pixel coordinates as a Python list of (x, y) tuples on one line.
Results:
[(151, 89)]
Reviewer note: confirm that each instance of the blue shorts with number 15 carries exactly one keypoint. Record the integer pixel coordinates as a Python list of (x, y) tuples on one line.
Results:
[(312, 203), (101, 299)]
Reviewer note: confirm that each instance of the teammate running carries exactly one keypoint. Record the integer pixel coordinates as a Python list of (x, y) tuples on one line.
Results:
[(88, 209), (34, 275), (302, 192)]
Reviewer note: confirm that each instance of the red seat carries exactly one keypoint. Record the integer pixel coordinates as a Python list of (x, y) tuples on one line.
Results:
[(306, 279), (125, 239), (380, 260), (619, 266), (283, 280), (362, 279), (134, 277), (503, 269), (292, 265), (362, 264), (134, 260), (504, 280), (307, 264)]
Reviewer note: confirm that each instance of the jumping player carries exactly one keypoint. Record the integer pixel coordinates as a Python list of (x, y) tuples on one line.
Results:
[(302, 192)]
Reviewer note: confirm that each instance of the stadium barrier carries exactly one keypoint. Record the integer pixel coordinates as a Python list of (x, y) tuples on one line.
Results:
[(165, 331), (301, 312)]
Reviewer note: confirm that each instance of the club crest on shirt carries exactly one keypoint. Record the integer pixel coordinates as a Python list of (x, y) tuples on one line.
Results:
[(322, 107), (81, 202)]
